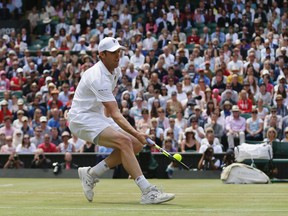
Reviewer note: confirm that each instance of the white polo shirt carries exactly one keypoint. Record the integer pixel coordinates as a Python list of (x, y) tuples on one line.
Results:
[(96, 86)]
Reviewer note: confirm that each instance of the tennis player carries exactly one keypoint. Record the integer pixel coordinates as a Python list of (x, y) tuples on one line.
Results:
[(94, 116)]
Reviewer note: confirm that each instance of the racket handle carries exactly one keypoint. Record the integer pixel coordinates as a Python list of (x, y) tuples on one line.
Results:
[(151, 142)]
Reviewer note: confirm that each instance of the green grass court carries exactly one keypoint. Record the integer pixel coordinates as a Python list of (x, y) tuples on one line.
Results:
[(41, 197)]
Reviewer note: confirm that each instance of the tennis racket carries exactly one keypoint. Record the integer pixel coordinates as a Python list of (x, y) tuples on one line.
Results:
[(167, 154)]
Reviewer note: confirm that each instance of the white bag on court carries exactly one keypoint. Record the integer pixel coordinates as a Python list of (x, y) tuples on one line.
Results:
[(253, 151), (238, 173)]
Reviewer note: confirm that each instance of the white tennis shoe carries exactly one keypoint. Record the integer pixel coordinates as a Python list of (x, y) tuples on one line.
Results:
[(152, 195), (88, 182)]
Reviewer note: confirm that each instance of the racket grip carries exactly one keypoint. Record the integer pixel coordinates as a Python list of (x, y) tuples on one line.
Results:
[(151, 142)]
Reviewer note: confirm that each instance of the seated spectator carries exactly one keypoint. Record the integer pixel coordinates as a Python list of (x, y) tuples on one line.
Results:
[(180, 121), (208, 161), (26, 147), (143, 124), (217, 127), (26, 129), (235, 127), (55, 138), (14, 162), (199, 131), (77, 142), (40, 161), (285, 139), (2, 139), (244, 103), (280, 107), (68, 164), (43, 126), (176, 130), (189, 143), (37, 138), (162, 120), (254, 127), (262, 111), (4, 111), (273, 115), (88, 147), (65, 146), (8, 147), (159, 132), (210, 141), (47, 146), (168, 145), (273, 123), (271, 136)]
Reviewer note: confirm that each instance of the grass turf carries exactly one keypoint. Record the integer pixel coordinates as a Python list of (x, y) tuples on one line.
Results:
[(43, 197)]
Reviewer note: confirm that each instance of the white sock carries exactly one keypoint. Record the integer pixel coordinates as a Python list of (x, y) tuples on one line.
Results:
[(142, 183), (98, 170)]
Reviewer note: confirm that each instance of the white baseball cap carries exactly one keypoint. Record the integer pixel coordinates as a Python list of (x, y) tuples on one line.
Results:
[(109, 44)]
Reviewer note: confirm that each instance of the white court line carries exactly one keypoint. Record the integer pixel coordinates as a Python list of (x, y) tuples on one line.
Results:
[(135, 193), (6, 185), (148, 209)]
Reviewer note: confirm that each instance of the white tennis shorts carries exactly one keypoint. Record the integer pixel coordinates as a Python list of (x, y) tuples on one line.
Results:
[(88, 127)]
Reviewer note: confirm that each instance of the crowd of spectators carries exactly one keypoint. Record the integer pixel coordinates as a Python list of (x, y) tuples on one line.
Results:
[(193, 75)]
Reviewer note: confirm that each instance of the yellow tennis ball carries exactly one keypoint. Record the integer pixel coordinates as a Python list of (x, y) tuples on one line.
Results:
[(178, 157)]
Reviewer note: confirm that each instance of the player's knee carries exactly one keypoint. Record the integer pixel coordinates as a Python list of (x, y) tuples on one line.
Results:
[(124, 143), (138, 148)]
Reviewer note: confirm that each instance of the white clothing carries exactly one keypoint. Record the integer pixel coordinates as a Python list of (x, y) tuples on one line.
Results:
[(216, 146), (137, 61), (169, 60), (86, 116), (78, 144), (21, 150), (148, 43)]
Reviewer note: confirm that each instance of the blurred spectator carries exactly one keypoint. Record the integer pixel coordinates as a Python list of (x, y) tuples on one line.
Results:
[(254, 127), (47, 145), (88, 147), (8, 146), (37, 138), (68, 164), (210, 141), (208, 161), (26, 146), (77, 142), (40, 161), (168, 145), (55, 138), (235, 126), (8, 129), (14, 162), (189, 143), (271, 136), (65, 145)]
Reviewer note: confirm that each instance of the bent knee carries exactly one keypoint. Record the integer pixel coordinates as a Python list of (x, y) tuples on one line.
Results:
[(138, 148), (124, 143)]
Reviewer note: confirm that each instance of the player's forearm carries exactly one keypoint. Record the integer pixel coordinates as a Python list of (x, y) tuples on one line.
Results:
[(124, 124)]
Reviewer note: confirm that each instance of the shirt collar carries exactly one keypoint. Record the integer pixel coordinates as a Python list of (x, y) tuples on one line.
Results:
[(105, 70)]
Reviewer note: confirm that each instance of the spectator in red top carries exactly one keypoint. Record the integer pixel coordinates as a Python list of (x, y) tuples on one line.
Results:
[(244, 103), (4, 110), (18, 81), (4, 82), (216, 96), (193, 38), (47, 146), (55, 94)]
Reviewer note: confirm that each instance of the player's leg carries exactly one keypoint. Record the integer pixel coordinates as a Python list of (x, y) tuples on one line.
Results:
[(124, 146), (123, 150)]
